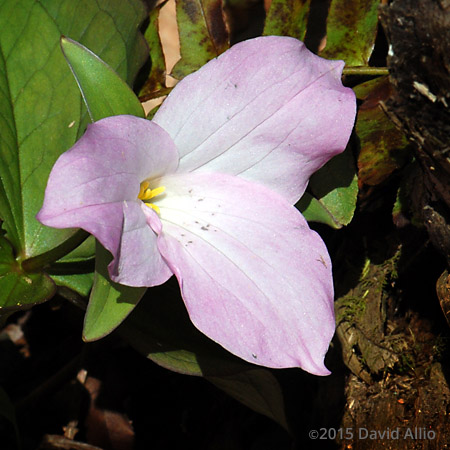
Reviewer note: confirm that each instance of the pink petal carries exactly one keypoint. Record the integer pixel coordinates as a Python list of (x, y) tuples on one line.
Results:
[(95, 185), (138, 261), (268, 110), (253, 276)]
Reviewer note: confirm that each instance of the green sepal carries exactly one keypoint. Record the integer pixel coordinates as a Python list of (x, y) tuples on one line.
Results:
[(104, 92), (109, 303), (333, 192), (314, 211), (81, 283)]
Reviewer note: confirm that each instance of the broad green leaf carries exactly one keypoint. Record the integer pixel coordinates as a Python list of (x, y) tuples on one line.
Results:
[(335, 186), (8, 412), (351, 31), (156, 80), (258, 389), (383, 145), (287, 18), (6, 255), (19, 289), (203, 34), (41, 112), (10, 212), (104, 92), (111, 29), (36, 119), (110, 303)]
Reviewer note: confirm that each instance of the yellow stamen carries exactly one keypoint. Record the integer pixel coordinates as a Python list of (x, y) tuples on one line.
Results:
[(144, 187), (146, 194), (154, 207)]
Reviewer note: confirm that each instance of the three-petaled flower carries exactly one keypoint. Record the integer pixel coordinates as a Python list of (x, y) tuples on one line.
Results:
[(205, 191)]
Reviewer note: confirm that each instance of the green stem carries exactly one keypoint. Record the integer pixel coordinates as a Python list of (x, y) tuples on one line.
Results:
[(42, 260), (365, 70)]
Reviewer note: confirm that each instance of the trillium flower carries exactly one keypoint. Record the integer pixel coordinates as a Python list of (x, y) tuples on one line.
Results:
[(206, 191)]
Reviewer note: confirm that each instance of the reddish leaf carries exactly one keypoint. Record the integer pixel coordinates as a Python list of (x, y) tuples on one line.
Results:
[(203, 34), (383, 146), (287, 18), (156, 80), (351, 31)]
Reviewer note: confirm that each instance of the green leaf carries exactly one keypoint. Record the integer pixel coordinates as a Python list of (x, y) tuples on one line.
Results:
[(18, 289), (351, 31), (156, 80), (35, 119), (110, 303), (41, 112), (335, 187), (203, 34), (111, 29), (287, 18), (104, 92), (383, 145), (258, 389)]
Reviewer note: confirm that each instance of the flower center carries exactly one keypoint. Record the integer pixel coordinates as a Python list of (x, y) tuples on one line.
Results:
[(145, 194)]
